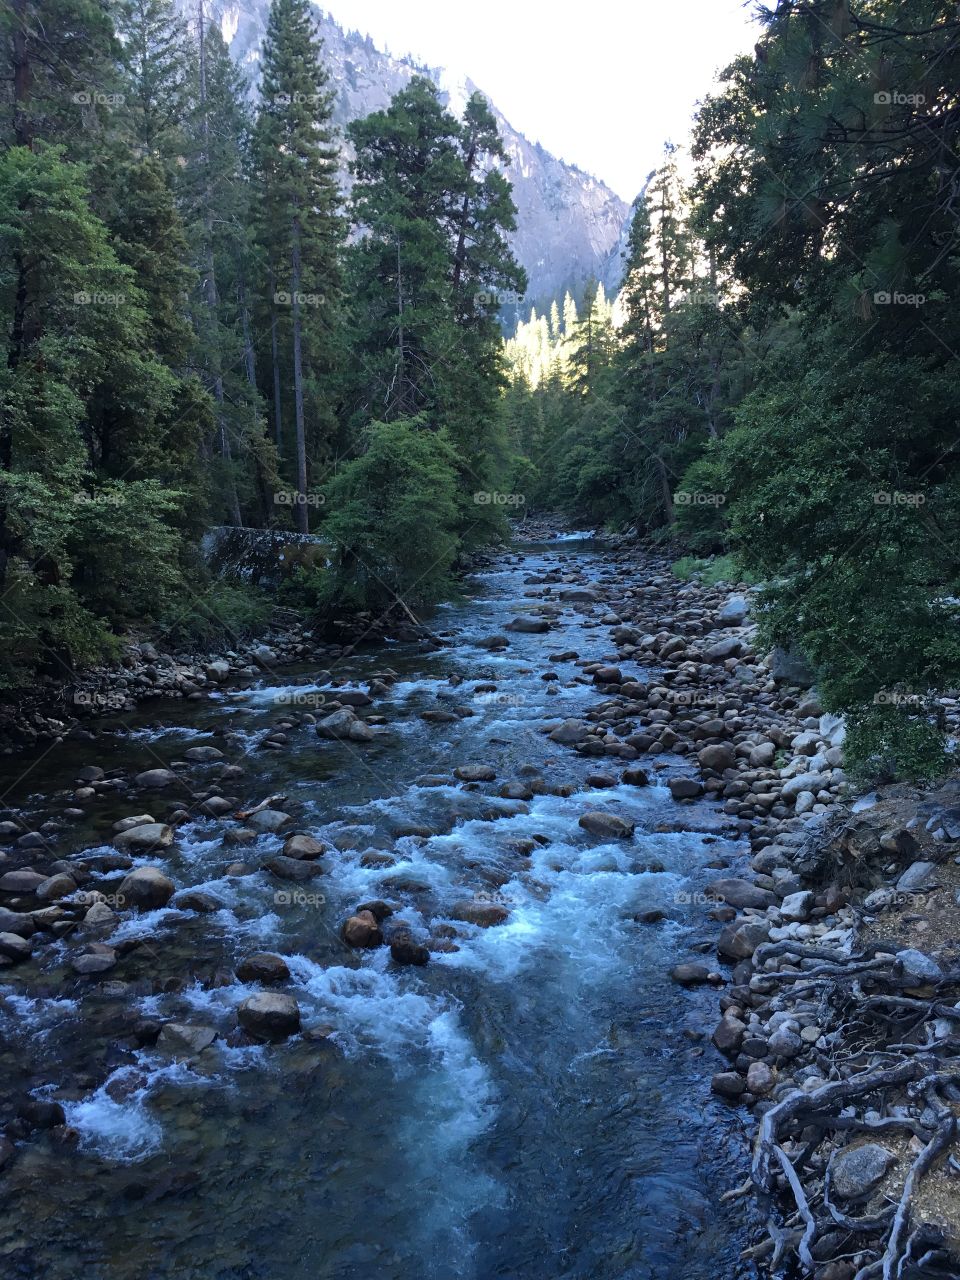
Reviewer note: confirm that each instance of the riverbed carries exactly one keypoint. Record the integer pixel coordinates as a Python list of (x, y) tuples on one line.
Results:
[(535, 1101)]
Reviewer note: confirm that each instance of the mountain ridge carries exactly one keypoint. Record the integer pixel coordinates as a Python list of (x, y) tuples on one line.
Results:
[(570, 225)]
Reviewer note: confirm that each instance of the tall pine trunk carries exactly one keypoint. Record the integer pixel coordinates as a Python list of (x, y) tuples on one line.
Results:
[(303, 523), (275, 361)]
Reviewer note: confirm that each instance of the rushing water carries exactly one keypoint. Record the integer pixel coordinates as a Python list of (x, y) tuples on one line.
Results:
[(533, 1104)]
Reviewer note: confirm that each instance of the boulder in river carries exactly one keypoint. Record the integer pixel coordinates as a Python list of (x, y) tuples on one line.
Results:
[(303, 846), (151, 835), (532, 626), (484, 914), (263, 967), (145, 888), (269, 1015), (25, 880), (685, 788), (14, 947), (183, 1039), (740, 893), (570, 732), (295, 869), (475, 773), (403, 950), (611, 825), (269, 820), (362, 931), (202, 755), (156, 779)]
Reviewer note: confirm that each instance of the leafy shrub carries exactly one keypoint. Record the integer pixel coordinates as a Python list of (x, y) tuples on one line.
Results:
[(222, 614)]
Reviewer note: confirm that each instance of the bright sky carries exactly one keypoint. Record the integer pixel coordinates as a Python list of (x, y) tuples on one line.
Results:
[(601, 83)]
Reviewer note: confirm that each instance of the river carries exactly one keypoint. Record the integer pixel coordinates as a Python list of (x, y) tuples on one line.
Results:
[(533, 1102)]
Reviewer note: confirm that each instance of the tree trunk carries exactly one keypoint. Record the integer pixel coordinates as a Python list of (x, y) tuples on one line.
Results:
[(303, 523), (275, 357)]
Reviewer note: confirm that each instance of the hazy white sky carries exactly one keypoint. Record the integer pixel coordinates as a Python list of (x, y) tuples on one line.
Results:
[(601, 83)]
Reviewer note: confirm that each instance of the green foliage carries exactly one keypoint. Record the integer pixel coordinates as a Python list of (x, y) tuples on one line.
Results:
[(392, 514), (214, 615), (710, 571), (886, 742)]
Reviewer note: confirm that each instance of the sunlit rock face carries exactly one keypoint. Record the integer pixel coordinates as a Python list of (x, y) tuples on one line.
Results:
[(571, 228)]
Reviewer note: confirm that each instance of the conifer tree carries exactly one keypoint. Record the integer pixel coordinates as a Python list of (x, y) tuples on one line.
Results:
[(300, 229)]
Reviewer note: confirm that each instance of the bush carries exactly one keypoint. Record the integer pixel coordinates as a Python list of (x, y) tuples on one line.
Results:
[(885, 743), (391, 517), (219, 615)]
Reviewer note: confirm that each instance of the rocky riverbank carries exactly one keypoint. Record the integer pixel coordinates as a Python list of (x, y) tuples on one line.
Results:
[(831, 919)]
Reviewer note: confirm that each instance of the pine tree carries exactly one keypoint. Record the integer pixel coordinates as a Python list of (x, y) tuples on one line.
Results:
[(300, 228)]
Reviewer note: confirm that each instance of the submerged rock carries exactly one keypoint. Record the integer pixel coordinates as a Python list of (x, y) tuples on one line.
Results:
[(145, 888)]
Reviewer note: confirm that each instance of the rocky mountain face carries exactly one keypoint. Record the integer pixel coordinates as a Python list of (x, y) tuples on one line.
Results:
[(570, 226)]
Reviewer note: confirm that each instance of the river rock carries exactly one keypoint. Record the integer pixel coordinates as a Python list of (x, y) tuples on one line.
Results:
[(533, 626), (140, 820), (303, 847), (734, 612), (196, 900), (792, 787), (56, 887), (785, 1043), (856, 1171), (475, 773), (97, 959), (263, 967), (689, 974), (183, 1039), (740, 893), (685, 788), (269, 820), (919, 875), (717, 758), (23, 881), (740, 939), (484, 914), (570, 732), (146, 888), (151, 835), (404, 950), (269, 1015), (14, 947), (362, 931), (919, 969), (17, 922), (728, 1035), (599, 823), (760, 1078), (216, 807), (730, 647), (156, 779), (728, 1084), (202, 755), (294, 869), (635, 777), (797, 906)]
